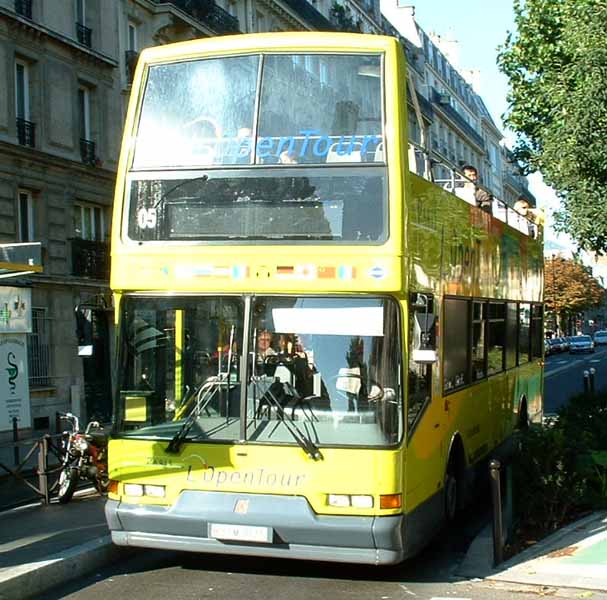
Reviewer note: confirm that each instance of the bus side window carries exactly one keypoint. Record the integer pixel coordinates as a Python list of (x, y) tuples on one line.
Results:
[(419, 383)]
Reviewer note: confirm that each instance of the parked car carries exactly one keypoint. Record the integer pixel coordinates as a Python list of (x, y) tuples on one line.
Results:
[(547, 348), (581, 343), (600, 338), (557, 344)]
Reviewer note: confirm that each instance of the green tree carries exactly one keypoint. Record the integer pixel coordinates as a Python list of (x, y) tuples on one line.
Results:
[(556, 62), (569, 289)]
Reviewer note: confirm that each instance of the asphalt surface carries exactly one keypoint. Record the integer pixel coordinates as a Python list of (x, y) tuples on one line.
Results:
[(564, 376), (154, 575)]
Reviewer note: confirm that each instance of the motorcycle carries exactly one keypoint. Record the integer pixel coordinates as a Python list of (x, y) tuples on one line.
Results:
[(84, 458)]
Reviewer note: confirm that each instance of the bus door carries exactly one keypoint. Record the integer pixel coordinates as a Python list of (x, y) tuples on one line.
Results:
[(426, 417)]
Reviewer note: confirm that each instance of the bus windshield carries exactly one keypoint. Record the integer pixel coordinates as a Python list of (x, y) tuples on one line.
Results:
[(255, 147), (328, 365)]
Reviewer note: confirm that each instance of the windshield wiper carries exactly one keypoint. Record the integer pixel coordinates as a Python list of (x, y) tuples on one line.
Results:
[(205, 396), (301, 437), (164, 196)]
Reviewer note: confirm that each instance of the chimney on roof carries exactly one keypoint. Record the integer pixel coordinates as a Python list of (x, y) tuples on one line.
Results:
[(407, 24)]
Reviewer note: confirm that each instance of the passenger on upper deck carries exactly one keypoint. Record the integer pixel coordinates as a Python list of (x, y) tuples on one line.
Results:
[(523, 207), (471, 193)]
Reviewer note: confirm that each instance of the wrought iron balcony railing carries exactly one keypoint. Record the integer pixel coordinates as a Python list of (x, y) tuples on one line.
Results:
[(207, 12), (26, 133), (90, 259), (312, 16), (83, 34), (130, 60), (24, 8), (87, 152)]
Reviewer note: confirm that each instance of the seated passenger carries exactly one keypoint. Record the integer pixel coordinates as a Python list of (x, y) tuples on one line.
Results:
[(264, 345)]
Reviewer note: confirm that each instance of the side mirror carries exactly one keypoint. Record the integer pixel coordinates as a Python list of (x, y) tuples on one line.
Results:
[(423, 347)]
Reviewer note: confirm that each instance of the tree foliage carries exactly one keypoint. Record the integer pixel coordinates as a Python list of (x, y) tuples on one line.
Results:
[(569, 288), (556, 62)]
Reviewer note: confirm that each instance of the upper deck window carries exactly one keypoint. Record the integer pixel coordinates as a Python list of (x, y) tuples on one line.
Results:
[(261, 147), (189, 108), (313, 109), (325, 109)]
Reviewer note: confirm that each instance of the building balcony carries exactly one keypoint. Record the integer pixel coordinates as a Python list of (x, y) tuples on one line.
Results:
[(26, 133), (207, 12), (24, 8), (310, 15), (87, 152), (83, 34), (130, 61), (90, 259), (441, 102)]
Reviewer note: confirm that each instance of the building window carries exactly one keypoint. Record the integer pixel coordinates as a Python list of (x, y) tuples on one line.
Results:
[(25, 128), (84, 122), (89, 222), (24, 8), (25, 211), (83, 33), (87, 146), (38, 353), (131, 54), (132, 37)]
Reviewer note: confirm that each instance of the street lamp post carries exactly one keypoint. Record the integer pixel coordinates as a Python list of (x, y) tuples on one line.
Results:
[(554, 296)]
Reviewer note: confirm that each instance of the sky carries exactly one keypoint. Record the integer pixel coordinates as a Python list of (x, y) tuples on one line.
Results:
[(481, 26)]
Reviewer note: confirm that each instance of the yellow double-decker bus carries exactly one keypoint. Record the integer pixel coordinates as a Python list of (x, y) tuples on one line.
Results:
[(317, 347)]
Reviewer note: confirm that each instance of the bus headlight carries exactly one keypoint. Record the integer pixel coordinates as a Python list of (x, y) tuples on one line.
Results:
[(156, 491), (133, 489), (345, 500), (362, 501)]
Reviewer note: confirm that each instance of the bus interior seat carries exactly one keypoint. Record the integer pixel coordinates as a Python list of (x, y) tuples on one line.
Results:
[(379, 153), (333, 156)]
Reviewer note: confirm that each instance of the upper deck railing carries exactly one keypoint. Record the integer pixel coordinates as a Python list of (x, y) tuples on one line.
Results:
[(425, 164)]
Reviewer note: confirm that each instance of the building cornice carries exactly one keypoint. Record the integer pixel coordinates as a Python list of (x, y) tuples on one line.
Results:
[(41, 31), (45, 159)]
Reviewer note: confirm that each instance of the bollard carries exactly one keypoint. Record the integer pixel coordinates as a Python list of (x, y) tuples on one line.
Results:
[(16, 457), (592, 372), (42, 466), (586, 382), (496, 497)]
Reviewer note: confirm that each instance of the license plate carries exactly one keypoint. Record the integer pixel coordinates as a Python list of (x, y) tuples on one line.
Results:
[(241, 533)]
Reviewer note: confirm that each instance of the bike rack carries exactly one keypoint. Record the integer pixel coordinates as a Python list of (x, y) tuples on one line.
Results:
[(44, 445)]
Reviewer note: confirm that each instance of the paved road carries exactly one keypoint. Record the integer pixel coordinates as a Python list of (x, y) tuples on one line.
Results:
[(156, 575), (563, 376)]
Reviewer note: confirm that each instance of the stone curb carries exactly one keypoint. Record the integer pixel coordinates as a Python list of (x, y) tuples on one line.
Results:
[(478, 562), (32, 579)]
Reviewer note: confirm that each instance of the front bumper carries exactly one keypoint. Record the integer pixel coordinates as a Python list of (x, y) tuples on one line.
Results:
[(298, 532)]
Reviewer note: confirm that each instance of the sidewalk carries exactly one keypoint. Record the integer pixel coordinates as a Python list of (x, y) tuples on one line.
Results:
[(574, 557), (41, 547)]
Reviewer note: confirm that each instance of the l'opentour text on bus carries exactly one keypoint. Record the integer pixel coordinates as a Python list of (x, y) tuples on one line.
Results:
[(317, 346)]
